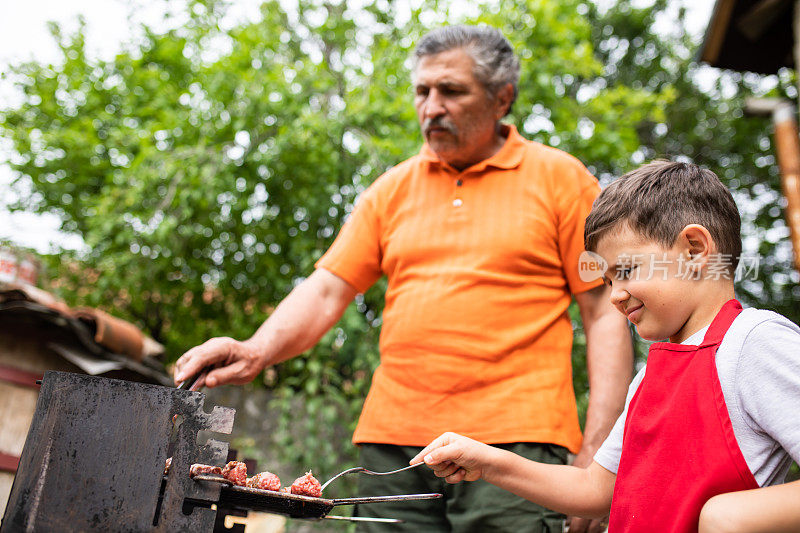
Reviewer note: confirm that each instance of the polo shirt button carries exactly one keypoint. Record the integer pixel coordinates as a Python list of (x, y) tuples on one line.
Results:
[(457, 202), (459, 183)]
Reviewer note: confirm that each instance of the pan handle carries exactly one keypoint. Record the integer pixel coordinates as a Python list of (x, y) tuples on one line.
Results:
[(363, 519), (396, 498)]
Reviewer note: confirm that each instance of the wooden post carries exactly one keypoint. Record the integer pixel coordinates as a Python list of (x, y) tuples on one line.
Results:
[(787, 150), (787, 147)]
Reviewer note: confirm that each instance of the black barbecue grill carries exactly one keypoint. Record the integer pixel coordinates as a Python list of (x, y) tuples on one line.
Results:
[(94, 461)]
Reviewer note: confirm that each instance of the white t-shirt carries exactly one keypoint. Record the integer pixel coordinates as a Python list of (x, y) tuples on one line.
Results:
[(758, 363)]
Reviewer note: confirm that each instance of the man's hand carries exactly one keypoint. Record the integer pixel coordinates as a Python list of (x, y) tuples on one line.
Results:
[(455, 458), (235, 362)]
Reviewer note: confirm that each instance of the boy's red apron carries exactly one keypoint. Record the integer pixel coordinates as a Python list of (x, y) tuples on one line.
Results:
[(678, 447)]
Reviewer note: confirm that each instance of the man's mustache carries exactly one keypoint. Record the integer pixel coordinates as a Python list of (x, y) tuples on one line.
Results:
[(439, 122)]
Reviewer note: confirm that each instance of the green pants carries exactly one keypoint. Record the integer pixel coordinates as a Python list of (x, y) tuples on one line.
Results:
[(467, 507)]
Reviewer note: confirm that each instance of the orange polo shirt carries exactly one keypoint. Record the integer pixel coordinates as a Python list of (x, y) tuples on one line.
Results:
[(481, 265)]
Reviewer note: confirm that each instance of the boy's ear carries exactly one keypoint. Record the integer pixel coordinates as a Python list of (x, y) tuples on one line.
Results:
[(697, 244)]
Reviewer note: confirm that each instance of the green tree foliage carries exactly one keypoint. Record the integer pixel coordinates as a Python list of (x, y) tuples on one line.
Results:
[(207, 167)]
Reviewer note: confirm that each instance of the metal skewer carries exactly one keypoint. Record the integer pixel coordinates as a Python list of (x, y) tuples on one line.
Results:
[(362, 470)]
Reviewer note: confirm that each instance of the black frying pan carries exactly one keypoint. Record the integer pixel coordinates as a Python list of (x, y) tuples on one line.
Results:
[(293, 505)]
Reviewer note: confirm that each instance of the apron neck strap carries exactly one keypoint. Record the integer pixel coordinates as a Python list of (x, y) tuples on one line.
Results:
[(719, 326)]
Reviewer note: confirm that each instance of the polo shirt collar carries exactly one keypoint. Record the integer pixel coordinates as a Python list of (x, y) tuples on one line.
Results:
[(508, 157)]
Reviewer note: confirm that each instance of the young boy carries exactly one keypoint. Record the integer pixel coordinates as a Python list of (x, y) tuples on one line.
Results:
[(711, 425)]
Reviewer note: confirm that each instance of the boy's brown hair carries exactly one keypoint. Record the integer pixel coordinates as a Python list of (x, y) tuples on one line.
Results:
[(659, 199)]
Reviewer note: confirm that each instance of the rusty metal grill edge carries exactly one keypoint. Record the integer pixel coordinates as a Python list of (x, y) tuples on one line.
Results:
[(94, 458)]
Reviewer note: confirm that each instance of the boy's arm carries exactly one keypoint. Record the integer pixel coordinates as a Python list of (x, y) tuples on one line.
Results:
[(570, 490), (772, 509)]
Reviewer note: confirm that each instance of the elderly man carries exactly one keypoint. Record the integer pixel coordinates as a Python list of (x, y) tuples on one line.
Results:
[(479, 236)]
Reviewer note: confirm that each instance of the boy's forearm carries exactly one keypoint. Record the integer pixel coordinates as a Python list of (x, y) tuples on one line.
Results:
[(574, 491), (772, 509)]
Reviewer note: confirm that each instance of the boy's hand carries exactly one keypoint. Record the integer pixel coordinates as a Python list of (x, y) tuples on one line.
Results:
[(456, 458)]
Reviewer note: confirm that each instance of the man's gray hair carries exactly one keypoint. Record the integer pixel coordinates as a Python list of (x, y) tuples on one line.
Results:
[(495, 62)]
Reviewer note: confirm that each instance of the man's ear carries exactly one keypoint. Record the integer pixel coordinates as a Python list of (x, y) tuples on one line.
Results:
[(505, 96), (696, 243)]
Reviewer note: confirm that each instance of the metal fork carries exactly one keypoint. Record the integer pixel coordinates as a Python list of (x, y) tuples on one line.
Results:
[(362, 470)]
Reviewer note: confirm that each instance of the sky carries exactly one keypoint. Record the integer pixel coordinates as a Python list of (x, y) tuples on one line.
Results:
[(24, 36)]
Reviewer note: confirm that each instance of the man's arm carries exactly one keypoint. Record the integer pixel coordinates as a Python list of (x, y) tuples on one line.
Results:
[(298, 323), (609, 358), (773, 509)]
